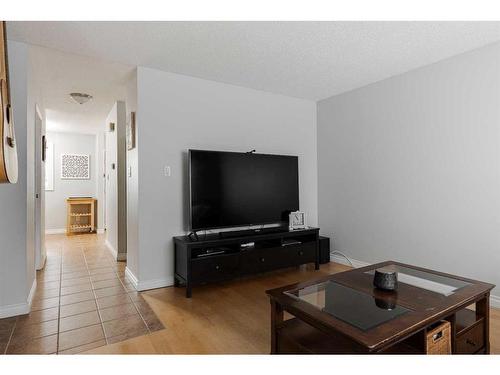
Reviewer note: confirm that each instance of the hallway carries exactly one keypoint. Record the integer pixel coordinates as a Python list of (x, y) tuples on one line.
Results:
[(82, 301)]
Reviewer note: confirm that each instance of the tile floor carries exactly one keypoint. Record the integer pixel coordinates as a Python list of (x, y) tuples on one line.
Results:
[(82, 301)]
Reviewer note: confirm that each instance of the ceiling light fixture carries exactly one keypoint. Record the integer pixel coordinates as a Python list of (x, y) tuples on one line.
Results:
[(80, 98)]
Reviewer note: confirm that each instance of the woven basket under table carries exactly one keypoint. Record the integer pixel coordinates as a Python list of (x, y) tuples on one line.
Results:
[(438, 339)]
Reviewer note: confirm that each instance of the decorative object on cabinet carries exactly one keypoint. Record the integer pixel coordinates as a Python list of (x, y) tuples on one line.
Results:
[(297, 220)]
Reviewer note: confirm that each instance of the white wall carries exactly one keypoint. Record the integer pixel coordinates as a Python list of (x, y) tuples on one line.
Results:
[(176, 113), (55, 201), (132, 181), (116, 193), (409, 167), (100, 138), (17, 272)]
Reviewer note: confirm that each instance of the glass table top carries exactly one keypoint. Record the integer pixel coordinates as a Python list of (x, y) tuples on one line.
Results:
[(426, 280), (349, 305)]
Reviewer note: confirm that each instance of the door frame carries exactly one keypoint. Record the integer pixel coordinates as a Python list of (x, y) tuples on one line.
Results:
[(39, 177)]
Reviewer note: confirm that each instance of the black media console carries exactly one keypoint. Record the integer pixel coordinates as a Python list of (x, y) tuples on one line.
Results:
[(214, 258)]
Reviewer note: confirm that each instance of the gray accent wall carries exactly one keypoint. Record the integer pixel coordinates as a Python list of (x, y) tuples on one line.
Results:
[(177, 112), (409, 167), (17, 271)]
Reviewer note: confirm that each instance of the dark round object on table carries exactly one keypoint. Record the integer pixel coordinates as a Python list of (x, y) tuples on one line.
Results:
[(385, 280)]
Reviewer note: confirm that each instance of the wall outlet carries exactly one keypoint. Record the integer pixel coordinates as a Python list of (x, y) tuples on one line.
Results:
[(167, 171)]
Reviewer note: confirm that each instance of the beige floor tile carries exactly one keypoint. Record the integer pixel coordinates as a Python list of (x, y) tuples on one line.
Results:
[(79, 321), (78, 308), (80, 336)]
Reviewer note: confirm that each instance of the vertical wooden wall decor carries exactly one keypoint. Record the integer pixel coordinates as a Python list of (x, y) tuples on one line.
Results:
[(8, 150), (131, 132)]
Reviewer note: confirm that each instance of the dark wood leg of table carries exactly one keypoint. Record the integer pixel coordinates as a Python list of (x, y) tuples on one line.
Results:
[(276, 319), (316, 263), (453, 322), (483, 308), (189, 292)]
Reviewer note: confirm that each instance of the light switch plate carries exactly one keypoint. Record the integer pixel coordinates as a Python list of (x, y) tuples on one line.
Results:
[(167, 171)]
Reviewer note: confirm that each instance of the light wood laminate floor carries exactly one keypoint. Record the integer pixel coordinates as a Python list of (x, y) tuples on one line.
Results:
[(232, 317)]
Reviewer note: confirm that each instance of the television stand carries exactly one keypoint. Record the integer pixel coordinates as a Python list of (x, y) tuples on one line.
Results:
[(212, 258)]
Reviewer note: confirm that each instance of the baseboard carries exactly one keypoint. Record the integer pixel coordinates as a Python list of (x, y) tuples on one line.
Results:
[(148, 284), (42, 263), (32, 294), (155, 284), (19, 308), (494, 300), (131, 277), (116, 255), (111, 249), (55, 231)]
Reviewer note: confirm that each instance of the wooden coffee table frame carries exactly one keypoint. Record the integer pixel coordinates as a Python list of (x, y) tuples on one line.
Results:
[(314, 331)]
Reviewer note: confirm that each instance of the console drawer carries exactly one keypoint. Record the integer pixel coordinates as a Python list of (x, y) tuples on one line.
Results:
[(214, 268), (300, 254), (263, 260), (472, 340)]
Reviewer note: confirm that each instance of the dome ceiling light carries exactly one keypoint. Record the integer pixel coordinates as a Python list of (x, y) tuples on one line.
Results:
[(80, 98)]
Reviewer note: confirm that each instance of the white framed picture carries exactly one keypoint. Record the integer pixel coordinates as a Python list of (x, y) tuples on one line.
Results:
[(49, 166), (75, 167), (297, 220)]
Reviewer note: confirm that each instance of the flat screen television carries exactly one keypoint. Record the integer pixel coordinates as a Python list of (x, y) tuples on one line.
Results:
[(231, 189)]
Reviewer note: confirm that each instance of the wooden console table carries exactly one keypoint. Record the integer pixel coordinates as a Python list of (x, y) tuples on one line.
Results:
[(80, 215), (344, 313)]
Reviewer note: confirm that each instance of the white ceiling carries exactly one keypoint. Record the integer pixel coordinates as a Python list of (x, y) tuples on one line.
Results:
[(59, 74), (311, 60)]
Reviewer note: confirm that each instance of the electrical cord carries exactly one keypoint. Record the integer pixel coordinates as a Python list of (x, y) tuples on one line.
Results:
[(344, 256)]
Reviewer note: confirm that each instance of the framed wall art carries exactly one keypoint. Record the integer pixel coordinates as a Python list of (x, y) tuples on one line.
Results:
[(131, 132), (75, 167)]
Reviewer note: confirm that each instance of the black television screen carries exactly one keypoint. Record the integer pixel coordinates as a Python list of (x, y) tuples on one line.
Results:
[(230, 189)]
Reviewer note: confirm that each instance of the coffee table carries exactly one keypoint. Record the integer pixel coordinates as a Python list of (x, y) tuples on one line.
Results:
[(344, 313)]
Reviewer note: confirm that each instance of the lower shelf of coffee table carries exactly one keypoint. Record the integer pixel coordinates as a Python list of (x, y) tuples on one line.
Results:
[(297, 337)]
